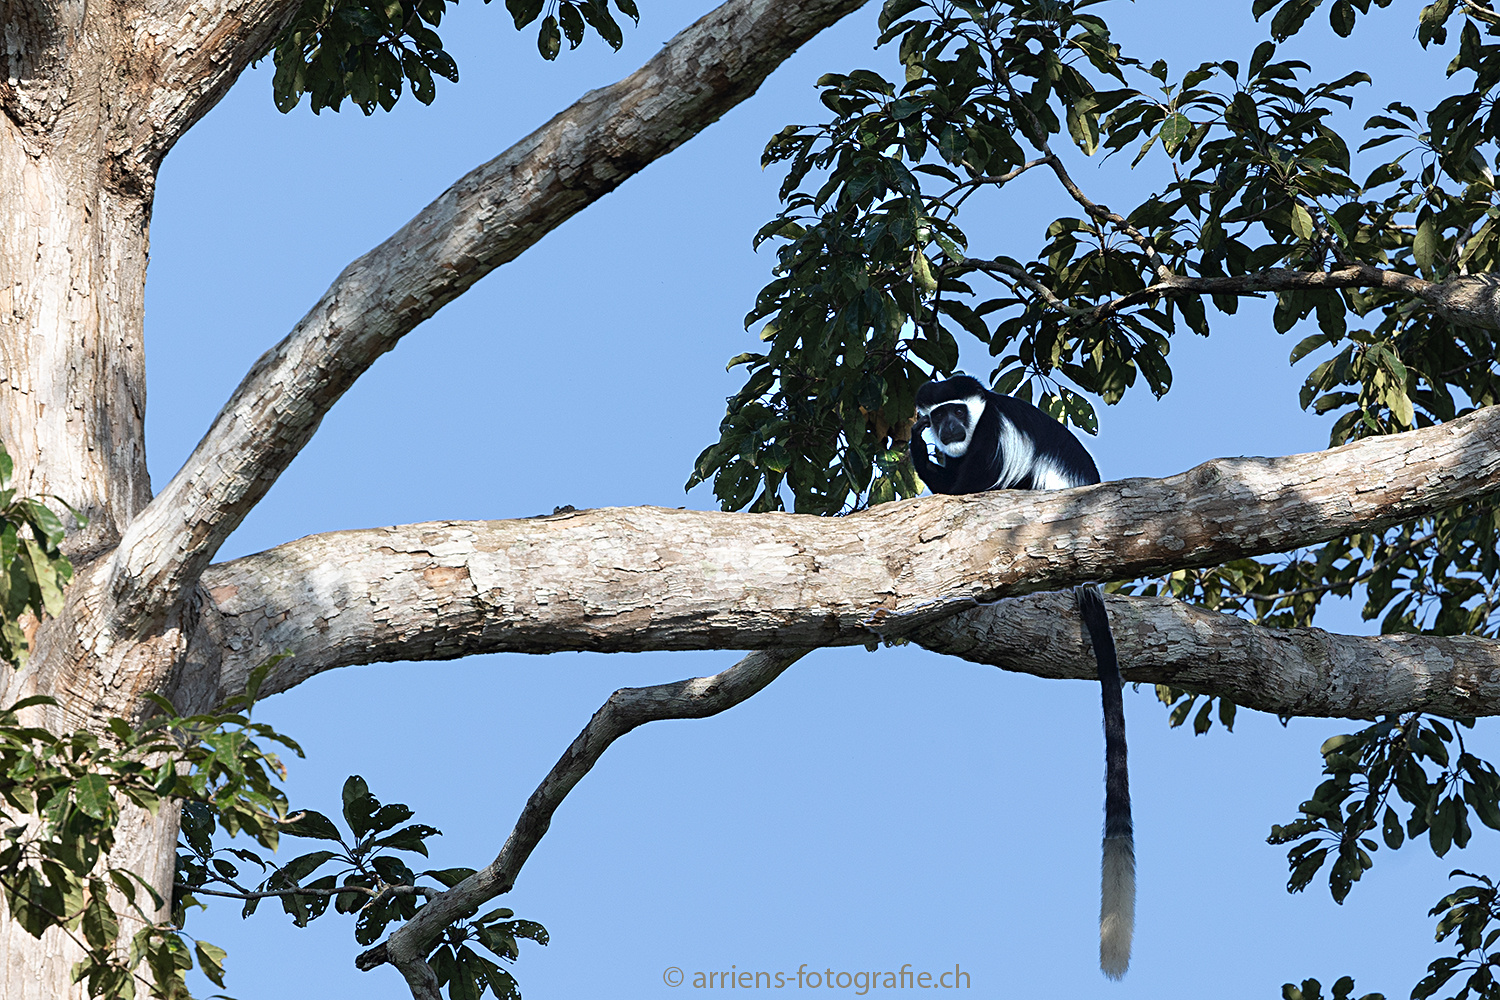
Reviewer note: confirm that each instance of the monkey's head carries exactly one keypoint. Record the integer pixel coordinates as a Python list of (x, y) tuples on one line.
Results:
[(947, 413)]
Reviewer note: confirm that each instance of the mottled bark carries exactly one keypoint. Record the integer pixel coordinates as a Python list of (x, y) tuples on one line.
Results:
[(1293, 671), (651, 578), (484, 220), (72, 375)]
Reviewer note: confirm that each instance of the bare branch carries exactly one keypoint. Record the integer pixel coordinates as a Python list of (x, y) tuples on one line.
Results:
[(1279, 280), (487, 218), (1022, 276), (1479, 13), (1468, 300), (342, 890), (1294, 671), (975, 183), (651, 578), (626, 709)]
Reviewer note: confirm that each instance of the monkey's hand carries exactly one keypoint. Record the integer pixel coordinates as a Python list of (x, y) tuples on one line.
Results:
[(919, 433)]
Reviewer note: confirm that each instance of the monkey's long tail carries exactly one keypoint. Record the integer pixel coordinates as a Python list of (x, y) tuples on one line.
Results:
[(1117, 898)]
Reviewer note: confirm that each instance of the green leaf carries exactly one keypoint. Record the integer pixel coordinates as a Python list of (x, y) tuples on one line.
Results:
[(1302, 223), (1342, 18), (549, 39), (211, 961), (922, 271), (1174, 129), (1424, 246), (91, 794), (408, 838), (1309, 344), (313, 825), (99, 926), (1400, 404)]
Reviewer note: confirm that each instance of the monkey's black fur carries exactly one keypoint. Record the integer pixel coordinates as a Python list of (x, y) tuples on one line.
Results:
[(968, 439)]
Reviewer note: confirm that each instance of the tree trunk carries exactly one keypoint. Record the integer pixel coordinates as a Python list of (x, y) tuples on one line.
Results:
[(72, 366), (72, 401)]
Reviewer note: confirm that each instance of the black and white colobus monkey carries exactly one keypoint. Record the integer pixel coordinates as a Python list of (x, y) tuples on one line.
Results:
[(968, 439)]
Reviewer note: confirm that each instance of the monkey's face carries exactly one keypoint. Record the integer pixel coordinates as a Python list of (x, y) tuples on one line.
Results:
[(948, 427)]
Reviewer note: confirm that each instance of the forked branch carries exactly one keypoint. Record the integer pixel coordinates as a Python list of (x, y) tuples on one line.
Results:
[(486, 219)]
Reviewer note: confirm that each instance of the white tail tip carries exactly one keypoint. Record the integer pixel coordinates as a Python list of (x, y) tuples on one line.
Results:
[(1117, 906)]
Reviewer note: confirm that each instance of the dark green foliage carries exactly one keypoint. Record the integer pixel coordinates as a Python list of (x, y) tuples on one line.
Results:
[(367, 51), (1471, 916), (60, 804), (876, 282), (1182, 702), (360, 875), (33, 570), (1404, 776), (1311, 989)]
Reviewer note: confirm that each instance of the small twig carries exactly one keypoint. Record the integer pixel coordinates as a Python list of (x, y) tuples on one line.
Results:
[(1481, 13), (1466, 367), (975, 182), (247, 894), (1021, 275)]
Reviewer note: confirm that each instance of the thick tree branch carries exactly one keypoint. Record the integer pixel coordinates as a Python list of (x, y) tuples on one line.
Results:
[(650, 578), (626, 709), (1294, 671), (487, 218)]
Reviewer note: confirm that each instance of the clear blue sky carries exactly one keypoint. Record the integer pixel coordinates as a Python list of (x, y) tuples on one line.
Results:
[(867, 810)]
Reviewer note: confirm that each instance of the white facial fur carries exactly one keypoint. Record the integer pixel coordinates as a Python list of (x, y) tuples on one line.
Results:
[(957, 449)]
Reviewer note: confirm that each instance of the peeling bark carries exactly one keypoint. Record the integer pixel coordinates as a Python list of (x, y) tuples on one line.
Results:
[(72, 374)]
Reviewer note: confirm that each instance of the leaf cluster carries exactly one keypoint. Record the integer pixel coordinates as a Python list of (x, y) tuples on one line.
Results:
[(1180, 705), (33, 569), (1437, 575), (1311, 989), (370, 51), (1471, 916), (359, 874), (1405, 776), (61, 800), (871, 289)]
